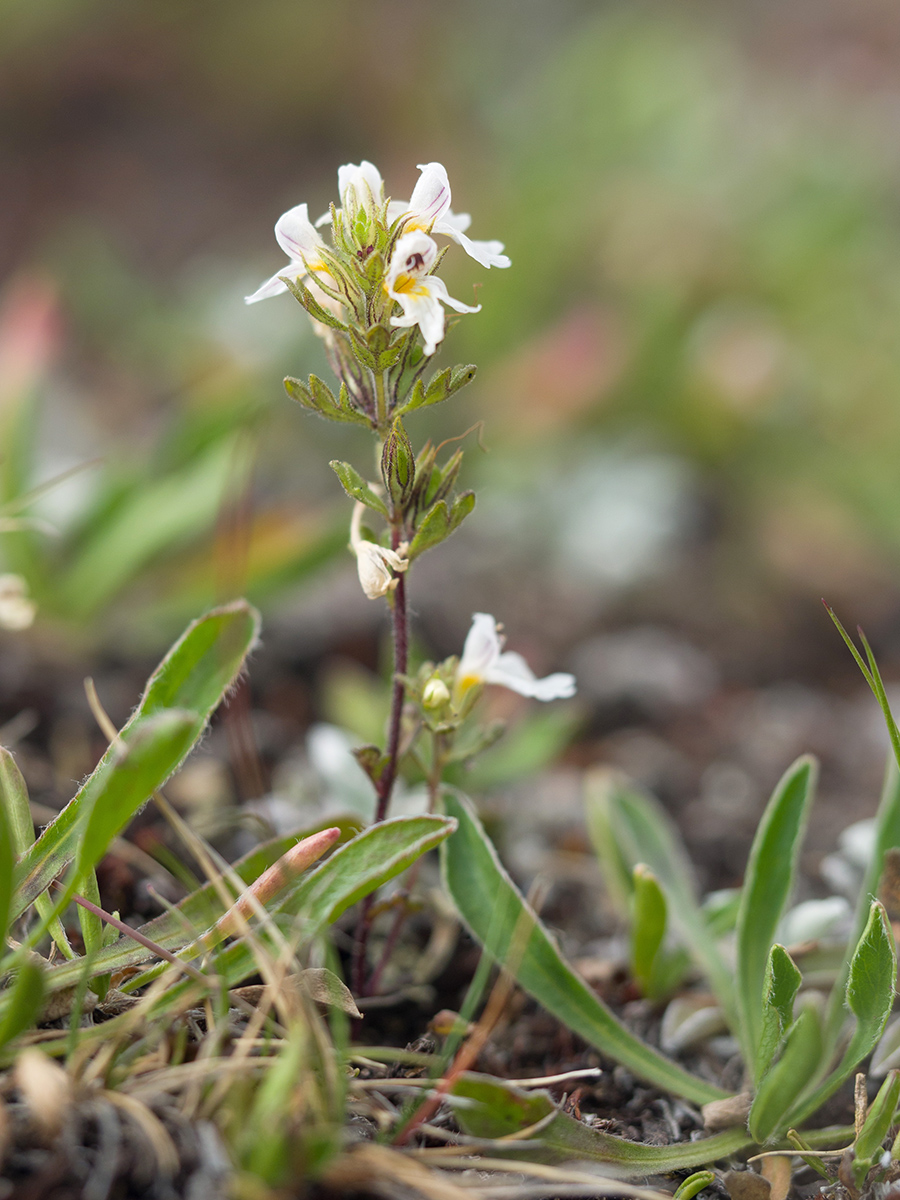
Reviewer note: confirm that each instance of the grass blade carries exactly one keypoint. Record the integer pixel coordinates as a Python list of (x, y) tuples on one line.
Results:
[(767, 887), (509, 930), (357, 868)]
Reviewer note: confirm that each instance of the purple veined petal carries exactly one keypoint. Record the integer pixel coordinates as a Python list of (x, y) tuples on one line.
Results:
[(274, 286), (431, 195), (482, 647), (296, 235)]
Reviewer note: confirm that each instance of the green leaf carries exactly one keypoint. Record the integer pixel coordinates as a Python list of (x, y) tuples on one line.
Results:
[(643, 832), (439, 522), (24, 1000), (189, 683), (870, 997), (767, 887), (787, 1078), (648, 926), (304, 296), (7, 864), (154, 517), (357, 868), (186, 921), (878, 1122), (887, 836), (782, 982), (356, 487), (496, 1109), (14, 800), (512, 935), (462, 506), (440, 387), (318, 397), (364, 864), (689, 1188)]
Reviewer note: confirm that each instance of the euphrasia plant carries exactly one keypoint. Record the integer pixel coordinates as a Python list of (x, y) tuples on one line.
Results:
[(375, 298)]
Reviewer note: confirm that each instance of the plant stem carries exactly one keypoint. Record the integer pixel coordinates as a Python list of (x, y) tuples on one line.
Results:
[(385, 785), (401, 656)]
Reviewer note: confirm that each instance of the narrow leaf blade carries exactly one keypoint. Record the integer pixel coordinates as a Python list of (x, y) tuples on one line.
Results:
[(509, 930), (767, 887)]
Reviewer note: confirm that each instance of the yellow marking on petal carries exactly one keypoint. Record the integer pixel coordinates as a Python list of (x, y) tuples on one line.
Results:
[(468, 681)]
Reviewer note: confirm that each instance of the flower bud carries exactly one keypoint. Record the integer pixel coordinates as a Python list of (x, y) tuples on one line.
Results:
[(436, 693), (398, 465)]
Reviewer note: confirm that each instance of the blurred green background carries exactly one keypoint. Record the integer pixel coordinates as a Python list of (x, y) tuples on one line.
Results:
[(689, 378)]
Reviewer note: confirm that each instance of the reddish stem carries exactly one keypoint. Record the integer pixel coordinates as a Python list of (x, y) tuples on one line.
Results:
[(385, 785)]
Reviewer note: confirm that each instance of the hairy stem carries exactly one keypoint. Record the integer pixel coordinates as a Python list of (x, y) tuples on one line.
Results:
[(385, 785)]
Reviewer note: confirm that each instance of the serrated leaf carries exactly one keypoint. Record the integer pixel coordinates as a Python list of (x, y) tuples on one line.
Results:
[(768, 883), (433, 529), (786, 1079), (495, 1109), (361, 350), (356, 487), (318, 398), (304, 296), (497, 915), (782, 982), (462, 506), (869, 997)]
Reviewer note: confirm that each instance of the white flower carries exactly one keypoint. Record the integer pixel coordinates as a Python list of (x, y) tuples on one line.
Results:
[(483, 661), (302, 244), (418, 293), (359, 186), (17, 612), (428, 209), (374, 563)]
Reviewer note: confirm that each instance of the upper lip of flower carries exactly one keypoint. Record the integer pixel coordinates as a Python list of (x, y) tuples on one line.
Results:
[(484, 661), (428, 209), (302, 243)]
